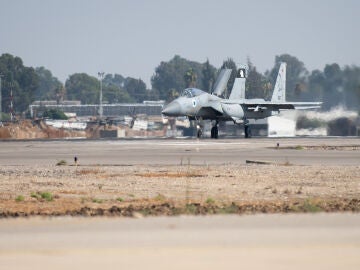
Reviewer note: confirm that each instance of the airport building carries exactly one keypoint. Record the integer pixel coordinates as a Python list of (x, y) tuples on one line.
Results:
[(124, 112)]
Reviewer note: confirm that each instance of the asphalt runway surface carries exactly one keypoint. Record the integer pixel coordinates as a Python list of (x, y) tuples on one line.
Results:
[(318, 241), (178, 151)]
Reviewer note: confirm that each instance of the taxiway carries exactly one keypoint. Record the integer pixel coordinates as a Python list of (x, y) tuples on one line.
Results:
[(176, 151)]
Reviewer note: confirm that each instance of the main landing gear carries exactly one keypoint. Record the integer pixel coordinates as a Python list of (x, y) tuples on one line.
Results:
[(215, 131), (247, 129)]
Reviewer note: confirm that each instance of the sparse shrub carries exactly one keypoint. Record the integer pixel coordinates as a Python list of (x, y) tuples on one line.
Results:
[(94, 200), (120, 199), (35, 195), (19, 198), (311, 207), (190, 208), (61, 163), (46, 196), (229, 209), (210, 201), (160, 197)]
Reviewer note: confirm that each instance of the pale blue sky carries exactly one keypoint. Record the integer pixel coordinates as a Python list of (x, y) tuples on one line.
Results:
[(132, 37)]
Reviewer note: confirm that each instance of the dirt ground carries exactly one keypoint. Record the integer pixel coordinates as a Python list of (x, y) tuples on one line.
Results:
[(27, 129), (172, 190)]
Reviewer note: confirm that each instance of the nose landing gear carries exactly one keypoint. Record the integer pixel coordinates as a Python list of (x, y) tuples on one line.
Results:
[(198, 131)]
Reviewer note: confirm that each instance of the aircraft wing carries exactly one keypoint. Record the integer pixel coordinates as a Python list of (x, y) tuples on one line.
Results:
[(251, 105)]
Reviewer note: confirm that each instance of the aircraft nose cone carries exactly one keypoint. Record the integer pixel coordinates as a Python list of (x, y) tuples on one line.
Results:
[(172, 109)]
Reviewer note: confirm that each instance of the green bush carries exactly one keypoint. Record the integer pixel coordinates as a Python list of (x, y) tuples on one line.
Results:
[(55, 114), (210, 201), (35, 195), (311, 206), (19, 198), (5, 116), (46, 196)]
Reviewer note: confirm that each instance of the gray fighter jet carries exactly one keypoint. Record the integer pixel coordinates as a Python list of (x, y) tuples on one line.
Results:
[(200, 105)]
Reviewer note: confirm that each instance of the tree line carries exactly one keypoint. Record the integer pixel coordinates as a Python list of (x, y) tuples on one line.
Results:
[(334, 85)]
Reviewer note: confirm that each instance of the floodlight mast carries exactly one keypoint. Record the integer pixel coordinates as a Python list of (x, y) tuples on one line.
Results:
[(101, 77)]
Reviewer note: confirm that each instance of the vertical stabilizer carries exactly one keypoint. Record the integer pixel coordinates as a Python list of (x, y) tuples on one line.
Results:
[(221, 82), (238, 90), (280, 85)]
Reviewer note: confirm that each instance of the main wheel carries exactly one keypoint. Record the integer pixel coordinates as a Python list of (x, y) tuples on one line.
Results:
[(247, 131), (216, 132)]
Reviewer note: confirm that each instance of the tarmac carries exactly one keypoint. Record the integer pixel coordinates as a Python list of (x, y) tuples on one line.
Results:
[(301, 241), (176, 151)]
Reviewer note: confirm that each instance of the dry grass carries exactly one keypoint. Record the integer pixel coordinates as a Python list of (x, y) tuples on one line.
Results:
[(89, 172), (170, 174), (152, 185), (140, 208)]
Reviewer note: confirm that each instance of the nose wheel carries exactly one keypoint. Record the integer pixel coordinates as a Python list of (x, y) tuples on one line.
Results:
[(199, 132)]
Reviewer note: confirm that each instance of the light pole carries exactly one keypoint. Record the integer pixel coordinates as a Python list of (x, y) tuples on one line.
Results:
[(101, 76), (11, 102)]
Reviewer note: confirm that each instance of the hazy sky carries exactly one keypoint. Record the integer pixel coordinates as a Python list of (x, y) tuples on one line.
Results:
[(132, 37)]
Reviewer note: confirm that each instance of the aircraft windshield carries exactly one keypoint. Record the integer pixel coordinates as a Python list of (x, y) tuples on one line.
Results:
[(191, 92)]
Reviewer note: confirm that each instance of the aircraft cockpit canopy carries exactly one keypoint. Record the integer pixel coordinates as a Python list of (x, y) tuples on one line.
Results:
[(191, 92)]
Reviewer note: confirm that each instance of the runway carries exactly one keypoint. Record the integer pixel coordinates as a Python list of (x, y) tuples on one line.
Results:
[(322, 241), (179, 151)]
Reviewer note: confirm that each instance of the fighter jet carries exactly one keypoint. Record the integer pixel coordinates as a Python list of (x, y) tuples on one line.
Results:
[(200, 105)]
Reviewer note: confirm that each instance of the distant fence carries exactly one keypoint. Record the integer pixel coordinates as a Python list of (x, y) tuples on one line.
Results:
[(109, 110)]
